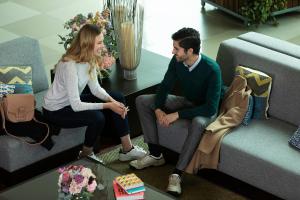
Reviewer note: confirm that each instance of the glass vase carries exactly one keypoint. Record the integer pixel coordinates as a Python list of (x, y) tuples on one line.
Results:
[(127, 19)]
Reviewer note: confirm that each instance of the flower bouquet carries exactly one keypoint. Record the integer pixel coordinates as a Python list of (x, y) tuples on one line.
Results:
[(76, 182), (102, 20)]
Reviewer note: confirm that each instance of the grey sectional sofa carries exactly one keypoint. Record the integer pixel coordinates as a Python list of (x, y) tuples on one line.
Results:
[(14, 154), (259, 154)]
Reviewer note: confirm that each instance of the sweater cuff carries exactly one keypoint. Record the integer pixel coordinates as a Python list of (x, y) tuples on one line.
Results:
[(183, 115)]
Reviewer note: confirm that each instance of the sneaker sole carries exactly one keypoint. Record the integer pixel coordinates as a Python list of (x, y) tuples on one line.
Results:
[(160, 163), (89, 158), (173, 193), (124, 158), (95, 160)]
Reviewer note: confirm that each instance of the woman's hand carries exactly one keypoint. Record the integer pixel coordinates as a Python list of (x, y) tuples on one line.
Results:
[(113, 100), (117, 107)]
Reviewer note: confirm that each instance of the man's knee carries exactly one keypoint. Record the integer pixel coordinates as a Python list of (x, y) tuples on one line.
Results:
[(145, 100), (200, 123)]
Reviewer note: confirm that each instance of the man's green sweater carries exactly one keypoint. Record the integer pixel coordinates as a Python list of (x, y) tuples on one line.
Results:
[(202, 86)]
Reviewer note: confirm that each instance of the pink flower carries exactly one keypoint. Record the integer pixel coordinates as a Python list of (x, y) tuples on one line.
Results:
[(75, 180), (91, 187), (103, 21), (107, 62), (65, 177), (74, 188), (75, 27)]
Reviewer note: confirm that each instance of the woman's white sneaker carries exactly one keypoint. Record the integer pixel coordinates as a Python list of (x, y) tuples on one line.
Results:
[(135, 153), (91, 156), (147, 161)]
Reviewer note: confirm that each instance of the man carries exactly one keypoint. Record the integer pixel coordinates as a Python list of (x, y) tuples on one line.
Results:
[(199, 79)]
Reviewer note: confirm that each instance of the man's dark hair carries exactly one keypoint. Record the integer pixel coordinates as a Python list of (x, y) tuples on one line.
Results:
[(188, 38)]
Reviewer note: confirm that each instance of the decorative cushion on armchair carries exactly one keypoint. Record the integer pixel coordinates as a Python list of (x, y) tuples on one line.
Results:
[(19, 76)]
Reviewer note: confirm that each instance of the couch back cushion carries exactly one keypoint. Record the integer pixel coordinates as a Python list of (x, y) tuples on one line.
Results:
[(284, 70), (272, 43), (25, 51)]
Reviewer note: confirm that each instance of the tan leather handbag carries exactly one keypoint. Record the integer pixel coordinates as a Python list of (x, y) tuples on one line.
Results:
[(19, 108)]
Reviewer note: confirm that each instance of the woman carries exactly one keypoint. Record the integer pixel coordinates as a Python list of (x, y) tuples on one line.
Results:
[(65, 106)]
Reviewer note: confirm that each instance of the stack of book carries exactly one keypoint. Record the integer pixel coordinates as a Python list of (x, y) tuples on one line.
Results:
[(128, 187)]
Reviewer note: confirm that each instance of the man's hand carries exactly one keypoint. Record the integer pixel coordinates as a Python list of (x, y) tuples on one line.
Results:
[(170, 118), (165, 119), (160, 115)]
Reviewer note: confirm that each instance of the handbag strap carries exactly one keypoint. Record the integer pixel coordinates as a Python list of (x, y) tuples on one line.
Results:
[(20, 138)]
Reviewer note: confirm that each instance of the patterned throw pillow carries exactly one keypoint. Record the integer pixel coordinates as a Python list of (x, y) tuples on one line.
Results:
[(261, 84), (295, 139), (6, 89), (249, 113), (19, 76)]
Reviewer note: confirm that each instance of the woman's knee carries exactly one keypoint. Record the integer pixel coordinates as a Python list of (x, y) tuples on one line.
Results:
[(118, 96), (96, 116)]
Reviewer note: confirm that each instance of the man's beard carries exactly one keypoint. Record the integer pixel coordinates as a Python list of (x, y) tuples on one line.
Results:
[(182, 58)]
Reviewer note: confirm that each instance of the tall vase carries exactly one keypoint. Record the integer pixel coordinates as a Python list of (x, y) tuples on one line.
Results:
[(128, 16)]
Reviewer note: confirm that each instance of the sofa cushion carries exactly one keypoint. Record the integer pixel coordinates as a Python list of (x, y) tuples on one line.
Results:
[(259, 154), (25, 51), (19, 76), (16, 154), (260, 83)]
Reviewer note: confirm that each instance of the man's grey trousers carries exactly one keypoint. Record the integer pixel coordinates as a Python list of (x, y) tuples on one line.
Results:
[(172, 137)]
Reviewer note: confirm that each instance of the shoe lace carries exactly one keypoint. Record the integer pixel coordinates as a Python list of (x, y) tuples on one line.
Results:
[(139, 149), (146, 159), (174, 180)]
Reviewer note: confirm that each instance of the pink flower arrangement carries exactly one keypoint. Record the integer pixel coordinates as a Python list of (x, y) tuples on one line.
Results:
[(76, 182), (102, 20)]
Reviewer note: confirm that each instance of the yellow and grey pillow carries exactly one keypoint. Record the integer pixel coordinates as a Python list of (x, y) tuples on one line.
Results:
[(261, 84), (19, 76)]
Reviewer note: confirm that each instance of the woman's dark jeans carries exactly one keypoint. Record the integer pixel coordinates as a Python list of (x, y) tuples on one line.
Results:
[(95, 120)]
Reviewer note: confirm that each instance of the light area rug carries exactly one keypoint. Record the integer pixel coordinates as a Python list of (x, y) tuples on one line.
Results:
[(193, 186)]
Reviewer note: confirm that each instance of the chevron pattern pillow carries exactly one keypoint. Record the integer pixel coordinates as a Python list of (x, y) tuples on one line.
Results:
[(261, 84), (19, 76)]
